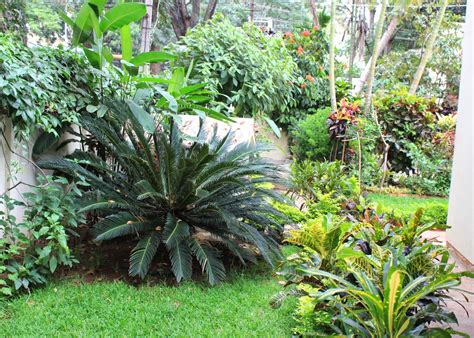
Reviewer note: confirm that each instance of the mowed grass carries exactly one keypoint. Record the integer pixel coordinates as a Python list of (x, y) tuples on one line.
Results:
[(405, 205), (237, 308)]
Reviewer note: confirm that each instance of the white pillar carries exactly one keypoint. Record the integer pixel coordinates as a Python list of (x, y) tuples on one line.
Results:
[(461, 199)]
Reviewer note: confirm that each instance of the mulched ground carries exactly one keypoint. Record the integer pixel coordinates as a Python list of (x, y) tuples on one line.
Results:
[(109, 261)]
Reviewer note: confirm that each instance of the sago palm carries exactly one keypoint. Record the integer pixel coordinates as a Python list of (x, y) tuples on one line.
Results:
[(177, 193)]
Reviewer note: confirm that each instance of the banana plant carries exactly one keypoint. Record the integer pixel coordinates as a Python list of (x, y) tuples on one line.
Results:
[(93, 22)]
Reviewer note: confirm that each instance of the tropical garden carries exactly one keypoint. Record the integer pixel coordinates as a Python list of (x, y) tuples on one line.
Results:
[(134, 225)]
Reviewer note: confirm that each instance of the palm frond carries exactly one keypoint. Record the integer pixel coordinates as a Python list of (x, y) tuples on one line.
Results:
[(143, 254), (209, 260)]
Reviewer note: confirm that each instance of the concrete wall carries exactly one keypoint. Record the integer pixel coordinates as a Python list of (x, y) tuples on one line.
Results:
[(461, 199)]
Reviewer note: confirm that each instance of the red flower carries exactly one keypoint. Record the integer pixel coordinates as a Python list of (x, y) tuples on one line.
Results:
[(292, 40), (288, 35), (316, 27), (299, 50), (303, 85), (305, 33), (310, 78)]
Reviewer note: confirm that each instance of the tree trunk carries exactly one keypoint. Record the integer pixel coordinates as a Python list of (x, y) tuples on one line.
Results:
[(155, 68), (145, 34), (210, 10), (429, 48), (354, 18), (332, 80), (251, 10), (181, 20), (314, 12), (386, 37), (373, 61), (372, 21)]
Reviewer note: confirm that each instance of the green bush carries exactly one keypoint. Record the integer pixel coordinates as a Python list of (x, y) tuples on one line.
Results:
[(310, 137), (168, 192), (248, 70), (436, 213), (33, 249), (308, 179), (43, 87), (369, 274)]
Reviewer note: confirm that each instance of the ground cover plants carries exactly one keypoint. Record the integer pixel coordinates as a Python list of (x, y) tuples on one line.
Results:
[(360, 271)]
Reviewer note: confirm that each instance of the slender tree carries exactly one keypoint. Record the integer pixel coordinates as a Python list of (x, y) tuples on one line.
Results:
[(429, 48), (314, 12), (383, 42), (332, 80), (146, 25), (375, 55)]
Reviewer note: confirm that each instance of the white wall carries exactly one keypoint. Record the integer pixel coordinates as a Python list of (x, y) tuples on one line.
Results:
[(461, 199)]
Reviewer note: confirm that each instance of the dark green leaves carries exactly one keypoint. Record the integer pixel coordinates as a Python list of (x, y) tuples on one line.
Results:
[(182, 188), (142, 255), (145, 119)]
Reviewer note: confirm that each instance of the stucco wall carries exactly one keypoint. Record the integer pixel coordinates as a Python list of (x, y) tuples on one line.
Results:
[(461, 199)]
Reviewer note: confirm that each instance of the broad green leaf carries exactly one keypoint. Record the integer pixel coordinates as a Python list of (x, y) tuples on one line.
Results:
[(126, 40), (93, 57), (122, 15), (82, 27), (53, 264), (145, 119), (177, 81), (172, 104), (151, 57), (273, 126)]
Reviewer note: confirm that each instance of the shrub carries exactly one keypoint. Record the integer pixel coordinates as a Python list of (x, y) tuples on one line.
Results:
[(43, 87), (369, 273), (404, 118), (189, 197), (310, 137), (33, 249), (250, 71), (436, 213), (309, 49), (308, 179)]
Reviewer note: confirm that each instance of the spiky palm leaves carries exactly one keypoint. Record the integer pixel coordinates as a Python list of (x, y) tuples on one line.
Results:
[(182, 196)]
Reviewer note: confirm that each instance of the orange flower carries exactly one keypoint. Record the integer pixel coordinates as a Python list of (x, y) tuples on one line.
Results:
[(316, 27), (310, 78), (303, 85), (299, 50), (292, 40), (288, 35), (305, 33)]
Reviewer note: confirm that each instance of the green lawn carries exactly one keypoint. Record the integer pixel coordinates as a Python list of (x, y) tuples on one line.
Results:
[(405, 205), (238, 308)]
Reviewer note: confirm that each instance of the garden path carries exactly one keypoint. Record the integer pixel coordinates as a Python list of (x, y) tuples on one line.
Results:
[(465, 317)]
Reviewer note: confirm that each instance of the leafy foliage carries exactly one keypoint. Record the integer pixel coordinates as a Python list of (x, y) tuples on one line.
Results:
[(308, 179), (33, 249), (251, 72), (13, 18), (310, 137), (43, 87), (171, 189), (370, 273)]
